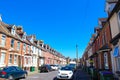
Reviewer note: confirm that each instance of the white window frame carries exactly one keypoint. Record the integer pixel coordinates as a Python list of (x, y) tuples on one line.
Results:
[(18, 45), (15, 59), (28, 49), (117, 59), (118, 63), (24, 47), (10, 58), (3, 40), (2, 57), (12, 43), (13, 30), (118, 19)]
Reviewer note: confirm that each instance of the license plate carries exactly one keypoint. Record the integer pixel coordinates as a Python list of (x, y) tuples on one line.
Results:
[(64, 76)]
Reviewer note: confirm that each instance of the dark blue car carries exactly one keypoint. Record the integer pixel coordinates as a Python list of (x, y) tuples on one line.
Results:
[(45, 68), (12, 73)]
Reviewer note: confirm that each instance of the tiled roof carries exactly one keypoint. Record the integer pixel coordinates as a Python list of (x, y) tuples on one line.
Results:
[(102, 19), (4, 30), (112, 1)]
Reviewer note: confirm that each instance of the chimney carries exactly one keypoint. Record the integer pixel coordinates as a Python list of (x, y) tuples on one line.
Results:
[(0, 17)]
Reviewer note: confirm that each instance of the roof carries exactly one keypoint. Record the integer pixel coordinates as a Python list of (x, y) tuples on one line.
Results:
[(111, 1), (116, 8)]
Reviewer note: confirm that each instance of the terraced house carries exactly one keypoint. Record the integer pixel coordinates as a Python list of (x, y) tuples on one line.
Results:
[(105, 43), (114, 19), (19, 49)]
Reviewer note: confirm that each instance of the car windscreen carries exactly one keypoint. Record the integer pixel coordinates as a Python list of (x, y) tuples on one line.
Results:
[(66, 68), (72, 65)]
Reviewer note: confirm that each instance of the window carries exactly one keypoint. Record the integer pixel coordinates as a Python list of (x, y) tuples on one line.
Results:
[(28, 49), (18, 45), (10, 58), (2, 59), (34, 59), (12, 43), (112, 5), (3, 40), (24, 47), (118, 63), (15, 59), (106, 61), (119, 18), (13, 30), (26, 60), (29, 60), (24, 36)]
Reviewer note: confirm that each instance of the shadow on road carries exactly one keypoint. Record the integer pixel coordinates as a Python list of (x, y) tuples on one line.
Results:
[(61, 79), (55, 78)]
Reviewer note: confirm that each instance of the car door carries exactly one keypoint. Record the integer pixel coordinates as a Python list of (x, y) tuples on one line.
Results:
[(13, 72), (20, 72)]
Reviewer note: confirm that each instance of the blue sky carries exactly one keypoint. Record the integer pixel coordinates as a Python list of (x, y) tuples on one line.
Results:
[(60, 23)]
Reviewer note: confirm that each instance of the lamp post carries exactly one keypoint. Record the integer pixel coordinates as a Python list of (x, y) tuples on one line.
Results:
[(77, 54)]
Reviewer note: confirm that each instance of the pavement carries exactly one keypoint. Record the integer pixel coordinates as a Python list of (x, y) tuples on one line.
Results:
[(80, 75), (32, 73)]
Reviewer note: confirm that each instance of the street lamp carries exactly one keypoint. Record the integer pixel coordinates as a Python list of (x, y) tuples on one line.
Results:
[(77, 54)]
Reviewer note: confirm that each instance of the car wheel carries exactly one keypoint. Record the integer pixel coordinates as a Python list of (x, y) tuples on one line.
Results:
[(25, 75), (47, 70), (10, 77)]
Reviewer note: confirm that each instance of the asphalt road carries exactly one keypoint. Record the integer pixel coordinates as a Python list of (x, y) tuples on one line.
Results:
[(78, 75), (43, 76)]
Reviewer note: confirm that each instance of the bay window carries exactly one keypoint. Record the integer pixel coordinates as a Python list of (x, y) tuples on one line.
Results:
[(3, 40), (18, 45), (12, 43), (15, 59), (2, 58), (10, 58)]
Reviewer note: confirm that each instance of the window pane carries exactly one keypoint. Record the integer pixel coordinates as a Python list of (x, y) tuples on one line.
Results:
[(18, 46), (119, 64), (10, 58), (119, 15), (15, 59), (12, 43), (2, 58), (3, 40)]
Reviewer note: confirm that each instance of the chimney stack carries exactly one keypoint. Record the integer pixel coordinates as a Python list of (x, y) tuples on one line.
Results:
[(0, 17)]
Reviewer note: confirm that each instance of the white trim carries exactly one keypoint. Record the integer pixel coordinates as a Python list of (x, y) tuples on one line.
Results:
[(103, 50), (118, 68), (11, 53), (3, 51), (16, 54), (118, 16), (2, 65)]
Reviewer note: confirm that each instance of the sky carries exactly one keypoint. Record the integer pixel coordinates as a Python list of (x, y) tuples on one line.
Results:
[(59, 23)]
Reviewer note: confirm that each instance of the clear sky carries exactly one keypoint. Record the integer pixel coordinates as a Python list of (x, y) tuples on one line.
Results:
[(60, 23)]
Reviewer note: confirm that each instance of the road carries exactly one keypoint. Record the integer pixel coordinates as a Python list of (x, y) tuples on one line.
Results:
[(43, 76), (78, 75)]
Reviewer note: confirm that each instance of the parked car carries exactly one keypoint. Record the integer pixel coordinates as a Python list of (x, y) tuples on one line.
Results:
[(12, 73), (65, 73), (45, 68), (54, 67)]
